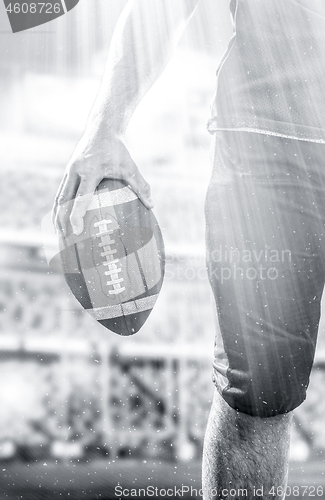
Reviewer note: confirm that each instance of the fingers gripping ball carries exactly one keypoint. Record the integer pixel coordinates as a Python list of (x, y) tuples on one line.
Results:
[(115, 267)]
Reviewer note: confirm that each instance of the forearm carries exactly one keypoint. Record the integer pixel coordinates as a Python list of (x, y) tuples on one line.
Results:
[(146, 34)]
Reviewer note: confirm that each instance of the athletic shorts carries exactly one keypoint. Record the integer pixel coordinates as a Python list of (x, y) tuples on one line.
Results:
[(265, 216)]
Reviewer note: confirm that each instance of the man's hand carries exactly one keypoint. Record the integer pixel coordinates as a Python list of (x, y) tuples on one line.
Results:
[(107, 158)]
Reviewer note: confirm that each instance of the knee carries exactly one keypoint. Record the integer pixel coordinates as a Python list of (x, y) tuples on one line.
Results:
[(244, 427), (262, 392)]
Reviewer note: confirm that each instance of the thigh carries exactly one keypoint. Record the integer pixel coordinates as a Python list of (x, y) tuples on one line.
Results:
[(265, 228)]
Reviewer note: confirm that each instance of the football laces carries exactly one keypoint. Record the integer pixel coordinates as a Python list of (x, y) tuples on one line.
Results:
[(112, 263)]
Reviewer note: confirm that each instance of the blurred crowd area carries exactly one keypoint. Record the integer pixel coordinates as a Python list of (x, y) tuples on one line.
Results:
[(69, 388)]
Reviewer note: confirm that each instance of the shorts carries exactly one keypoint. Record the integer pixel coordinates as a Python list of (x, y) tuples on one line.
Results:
[(265, 216)]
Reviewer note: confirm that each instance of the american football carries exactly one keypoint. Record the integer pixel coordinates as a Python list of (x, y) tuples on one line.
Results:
[(115, 267)]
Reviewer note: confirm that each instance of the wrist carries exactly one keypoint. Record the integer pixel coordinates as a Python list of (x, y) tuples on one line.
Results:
[(108, 119)]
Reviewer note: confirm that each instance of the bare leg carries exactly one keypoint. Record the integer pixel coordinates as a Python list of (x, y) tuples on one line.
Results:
[(243, 452)]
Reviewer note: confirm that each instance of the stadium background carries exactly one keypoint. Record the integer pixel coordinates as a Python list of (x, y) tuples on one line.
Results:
[(83, 409)]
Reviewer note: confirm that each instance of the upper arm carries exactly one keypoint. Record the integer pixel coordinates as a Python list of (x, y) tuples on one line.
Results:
[(158, 24), (161, 17)]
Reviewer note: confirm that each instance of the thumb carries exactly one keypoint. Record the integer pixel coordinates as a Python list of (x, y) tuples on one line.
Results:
[(83, 197)]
